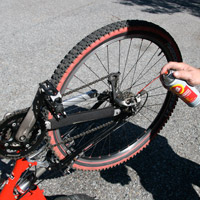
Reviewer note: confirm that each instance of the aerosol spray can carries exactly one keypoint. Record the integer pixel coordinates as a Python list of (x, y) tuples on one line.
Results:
[(189, 94)]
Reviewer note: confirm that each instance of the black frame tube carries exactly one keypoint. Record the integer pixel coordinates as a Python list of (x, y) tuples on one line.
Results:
[(85, 116)]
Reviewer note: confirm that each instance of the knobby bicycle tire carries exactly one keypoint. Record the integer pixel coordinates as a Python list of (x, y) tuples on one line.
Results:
[(138, 49)]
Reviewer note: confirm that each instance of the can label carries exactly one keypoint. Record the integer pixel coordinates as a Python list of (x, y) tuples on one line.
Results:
[(185, 93)]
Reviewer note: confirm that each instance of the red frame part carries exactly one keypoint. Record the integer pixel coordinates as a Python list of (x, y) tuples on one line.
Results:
[(7, 192)]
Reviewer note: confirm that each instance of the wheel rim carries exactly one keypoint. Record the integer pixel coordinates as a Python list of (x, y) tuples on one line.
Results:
[(148, 54)]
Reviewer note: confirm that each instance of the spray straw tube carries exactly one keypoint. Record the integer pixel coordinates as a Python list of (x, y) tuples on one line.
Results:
[(189, 94)]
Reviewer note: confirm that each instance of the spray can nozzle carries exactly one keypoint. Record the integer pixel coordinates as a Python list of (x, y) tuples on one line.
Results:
[(168, 77), (167, 72)]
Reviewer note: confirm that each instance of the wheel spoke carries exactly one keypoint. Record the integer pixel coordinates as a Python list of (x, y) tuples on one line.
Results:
[(151, 67), (135, 66), (138, 59), (108, 63), (81, 82), (156, 88), (119, 56), (127, 56), (96, 74), (145, 116), (139, 76), (151, 110), (101, 63), (157, 95)]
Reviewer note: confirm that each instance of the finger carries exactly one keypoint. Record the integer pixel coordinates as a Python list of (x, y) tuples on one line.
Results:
[(182, 75), (173, 66)]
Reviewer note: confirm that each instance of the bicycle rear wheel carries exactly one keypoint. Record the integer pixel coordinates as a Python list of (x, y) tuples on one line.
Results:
[(138, 50)]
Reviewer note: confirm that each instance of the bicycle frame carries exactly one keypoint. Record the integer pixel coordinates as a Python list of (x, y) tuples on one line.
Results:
[(47, 95), (18, 186)]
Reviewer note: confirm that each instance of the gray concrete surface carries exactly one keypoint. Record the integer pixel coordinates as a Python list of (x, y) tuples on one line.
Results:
[(36, 35)]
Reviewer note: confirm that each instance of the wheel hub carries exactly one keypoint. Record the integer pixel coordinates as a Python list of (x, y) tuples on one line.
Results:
[(127, 99), (131, 103)]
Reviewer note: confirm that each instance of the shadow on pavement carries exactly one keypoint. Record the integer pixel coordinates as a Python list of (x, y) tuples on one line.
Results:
[(162, 172), (168, 6)]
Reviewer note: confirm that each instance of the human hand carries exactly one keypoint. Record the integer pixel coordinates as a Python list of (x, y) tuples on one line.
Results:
[(183, 71)]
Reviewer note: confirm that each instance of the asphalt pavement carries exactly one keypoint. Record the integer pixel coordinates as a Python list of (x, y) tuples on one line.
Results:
[(36, 34)]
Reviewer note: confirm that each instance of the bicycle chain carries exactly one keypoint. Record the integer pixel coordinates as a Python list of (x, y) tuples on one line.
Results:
[(70, 139)]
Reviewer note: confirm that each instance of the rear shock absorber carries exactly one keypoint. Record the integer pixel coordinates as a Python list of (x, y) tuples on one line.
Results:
[(25, 184)]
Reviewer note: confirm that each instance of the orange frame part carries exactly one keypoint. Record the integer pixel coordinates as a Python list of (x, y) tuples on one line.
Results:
[(7, 192)]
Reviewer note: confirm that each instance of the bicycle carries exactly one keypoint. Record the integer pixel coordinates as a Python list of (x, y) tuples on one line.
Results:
[(100, 108)]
